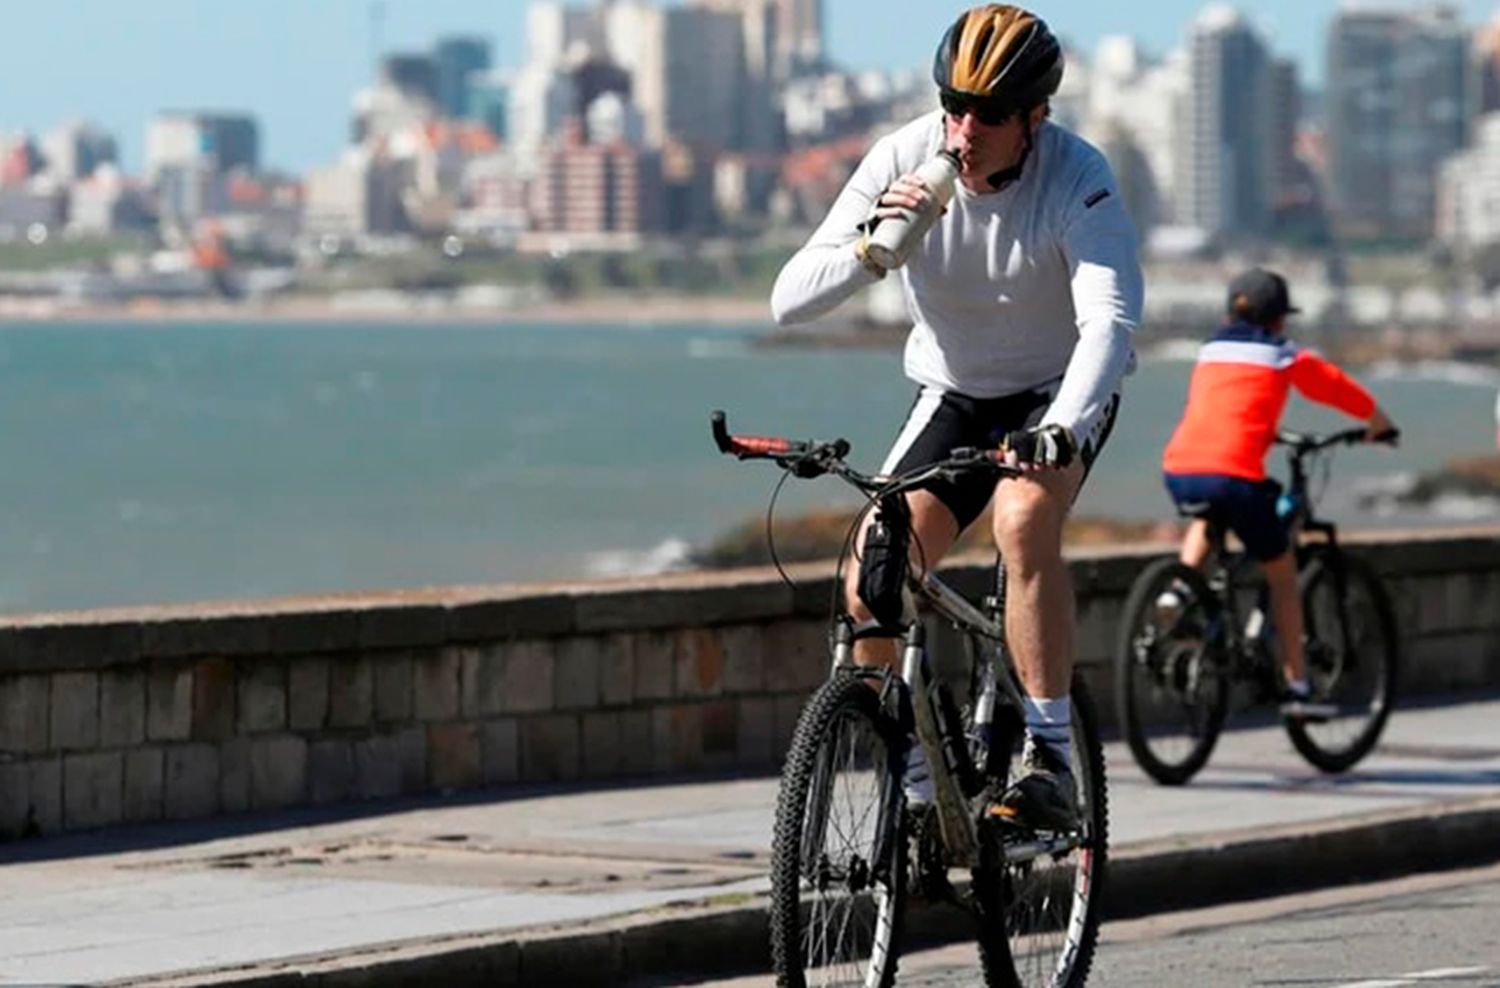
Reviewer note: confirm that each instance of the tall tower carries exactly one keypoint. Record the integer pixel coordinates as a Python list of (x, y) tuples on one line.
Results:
[(1397, 105), (799, 29), (1224, 174)]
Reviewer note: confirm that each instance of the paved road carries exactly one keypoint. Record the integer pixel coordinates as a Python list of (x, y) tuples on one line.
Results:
[(144, 902), (1430, 930)]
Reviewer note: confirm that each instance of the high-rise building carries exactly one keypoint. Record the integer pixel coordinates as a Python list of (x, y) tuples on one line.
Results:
[(1486, 54), (215, 142), (75, 150), (687, 68), (413, 75), (19, 158), (542, 98), (1396, 105), (106, 202), (1229, 129), (1134, 115), (458, 62), (489, 101), (597, 189), (362, 194), (758, 126), (553, 29), (799, 28)]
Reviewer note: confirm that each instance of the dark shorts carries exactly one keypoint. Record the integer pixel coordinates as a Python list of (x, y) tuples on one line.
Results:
[(941, 421), (1246, 507)]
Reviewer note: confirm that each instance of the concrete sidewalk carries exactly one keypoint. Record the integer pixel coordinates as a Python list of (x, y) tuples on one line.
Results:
[(241, 896)]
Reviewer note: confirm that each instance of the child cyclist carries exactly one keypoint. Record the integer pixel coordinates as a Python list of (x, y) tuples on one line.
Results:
[(1214, 464)]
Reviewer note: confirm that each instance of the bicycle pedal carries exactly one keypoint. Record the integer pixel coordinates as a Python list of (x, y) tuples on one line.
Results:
[(999, 811), (1008, 823)]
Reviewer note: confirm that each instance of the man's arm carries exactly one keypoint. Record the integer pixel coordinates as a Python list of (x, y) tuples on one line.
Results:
[(826, 270), (1100, 243)]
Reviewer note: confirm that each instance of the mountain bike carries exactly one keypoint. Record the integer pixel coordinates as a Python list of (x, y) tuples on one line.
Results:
[(1181, 653), (847, 849)]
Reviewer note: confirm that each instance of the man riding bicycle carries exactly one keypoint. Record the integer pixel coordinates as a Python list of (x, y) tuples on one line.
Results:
[(1214, 464), (1023, 296)]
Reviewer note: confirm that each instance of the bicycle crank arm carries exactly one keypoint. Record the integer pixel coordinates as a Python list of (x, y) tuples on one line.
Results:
[(1023, 851)]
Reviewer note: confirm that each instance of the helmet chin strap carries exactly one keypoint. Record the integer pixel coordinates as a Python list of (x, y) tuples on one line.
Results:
[(1006, 176)]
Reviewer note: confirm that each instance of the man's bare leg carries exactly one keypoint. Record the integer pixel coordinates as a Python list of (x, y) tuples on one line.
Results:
[(1039, 608), (1039, 618)]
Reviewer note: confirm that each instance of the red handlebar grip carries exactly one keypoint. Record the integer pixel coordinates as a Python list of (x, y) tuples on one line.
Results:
[(759, 444)]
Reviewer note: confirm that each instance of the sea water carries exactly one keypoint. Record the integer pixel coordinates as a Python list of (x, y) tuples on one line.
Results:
[(159, 463)]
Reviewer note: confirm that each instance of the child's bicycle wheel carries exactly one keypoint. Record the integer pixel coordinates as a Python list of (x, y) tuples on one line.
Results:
[(838, 857), (1352, 659), (1171, 683)]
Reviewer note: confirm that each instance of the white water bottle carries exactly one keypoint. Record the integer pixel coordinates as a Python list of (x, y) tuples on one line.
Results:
[(895, 236)]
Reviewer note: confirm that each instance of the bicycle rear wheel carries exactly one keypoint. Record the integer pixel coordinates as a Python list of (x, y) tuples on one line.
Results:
[(1352, 660), (1040, 909), (838, 857), (1171, 685)]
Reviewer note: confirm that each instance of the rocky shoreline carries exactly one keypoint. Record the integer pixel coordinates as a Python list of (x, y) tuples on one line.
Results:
[(820, 535)]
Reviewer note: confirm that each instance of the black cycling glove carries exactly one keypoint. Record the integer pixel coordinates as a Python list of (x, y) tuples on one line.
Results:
[(1043, 446)]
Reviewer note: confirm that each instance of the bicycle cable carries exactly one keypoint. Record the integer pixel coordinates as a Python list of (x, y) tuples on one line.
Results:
[(771, 529), (1325, 477)]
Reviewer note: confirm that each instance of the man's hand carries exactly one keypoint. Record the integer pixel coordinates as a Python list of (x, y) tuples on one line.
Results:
[(1043, 446), (906, 193)]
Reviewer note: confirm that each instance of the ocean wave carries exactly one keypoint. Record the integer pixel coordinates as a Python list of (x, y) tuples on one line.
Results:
[(1442, 371), (668, 556)]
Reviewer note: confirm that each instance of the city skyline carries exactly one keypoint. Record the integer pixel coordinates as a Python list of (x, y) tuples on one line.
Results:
[(183, 57)]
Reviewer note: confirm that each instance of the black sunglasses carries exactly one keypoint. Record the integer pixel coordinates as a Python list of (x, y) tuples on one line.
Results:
[(987, 112)]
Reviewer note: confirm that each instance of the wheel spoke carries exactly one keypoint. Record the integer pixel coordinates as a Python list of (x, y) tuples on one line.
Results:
[(842, 907), (1042, 902)]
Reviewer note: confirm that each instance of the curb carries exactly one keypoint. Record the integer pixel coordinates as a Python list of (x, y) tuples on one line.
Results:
[(731, 938)]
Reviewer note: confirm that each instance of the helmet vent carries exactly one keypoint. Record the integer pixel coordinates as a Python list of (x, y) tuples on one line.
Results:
[(982, 43)]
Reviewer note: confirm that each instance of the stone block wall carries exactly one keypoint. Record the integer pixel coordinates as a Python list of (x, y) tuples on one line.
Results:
[(110, 717)]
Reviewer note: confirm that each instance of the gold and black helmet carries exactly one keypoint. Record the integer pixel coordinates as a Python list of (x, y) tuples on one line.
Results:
[(1000, 56)]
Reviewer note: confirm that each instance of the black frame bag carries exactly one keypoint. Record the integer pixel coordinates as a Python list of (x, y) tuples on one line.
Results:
[(883, 560)]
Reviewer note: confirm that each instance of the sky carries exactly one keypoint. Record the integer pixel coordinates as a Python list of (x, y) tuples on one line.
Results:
[(296, 64)]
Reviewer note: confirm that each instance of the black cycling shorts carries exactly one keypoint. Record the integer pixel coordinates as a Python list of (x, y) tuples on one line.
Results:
[(941, 421)]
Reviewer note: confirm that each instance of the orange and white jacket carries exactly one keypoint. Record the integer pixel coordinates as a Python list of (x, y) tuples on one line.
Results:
[(1236, 396)]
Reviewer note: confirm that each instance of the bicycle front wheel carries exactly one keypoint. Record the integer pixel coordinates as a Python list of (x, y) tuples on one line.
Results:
[(1352, 660), (1040, 896), (838, 857), (1171, 689)]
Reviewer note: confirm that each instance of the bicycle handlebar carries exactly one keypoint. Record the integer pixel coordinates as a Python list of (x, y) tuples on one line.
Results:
[(812, 459), (1303, 443)]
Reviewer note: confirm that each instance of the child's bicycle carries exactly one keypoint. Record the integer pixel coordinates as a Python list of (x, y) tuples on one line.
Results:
[(847, 849), (1181, 652)]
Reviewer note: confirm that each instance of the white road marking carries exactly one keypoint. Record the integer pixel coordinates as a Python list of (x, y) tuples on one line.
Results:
[(1416, 977)]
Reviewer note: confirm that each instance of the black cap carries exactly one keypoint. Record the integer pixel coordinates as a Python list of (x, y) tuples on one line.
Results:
[(1259, 296)]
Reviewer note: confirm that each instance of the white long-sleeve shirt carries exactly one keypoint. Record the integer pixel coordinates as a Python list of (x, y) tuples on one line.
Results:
[(1037, 286)]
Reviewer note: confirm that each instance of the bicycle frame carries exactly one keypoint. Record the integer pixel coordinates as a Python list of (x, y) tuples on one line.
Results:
[(1226, 572), (917, 689)]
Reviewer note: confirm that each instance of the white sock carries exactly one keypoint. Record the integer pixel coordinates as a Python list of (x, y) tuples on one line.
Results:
[(1050, 722), (1299, 686)]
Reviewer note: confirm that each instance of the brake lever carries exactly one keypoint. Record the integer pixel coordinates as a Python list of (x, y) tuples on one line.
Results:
[(806, 466)]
